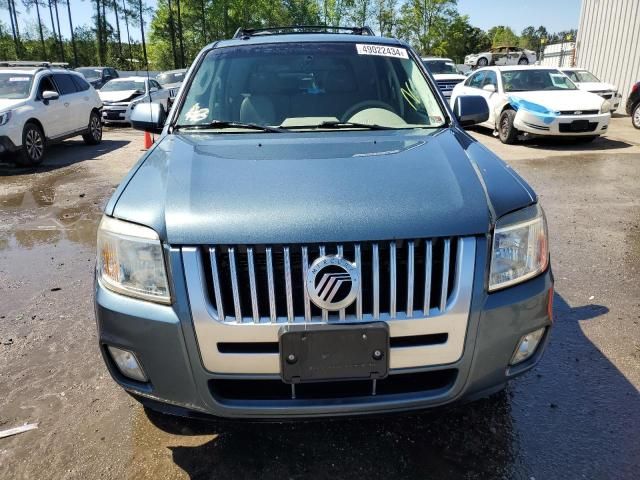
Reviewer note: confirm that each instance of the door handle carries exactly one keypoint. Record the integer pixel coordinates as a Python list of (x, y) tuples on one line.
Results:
[(66, 104)]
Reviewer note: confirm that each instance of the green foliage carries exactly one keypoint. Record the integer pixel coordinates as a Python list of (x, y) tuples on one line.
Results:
[(432, 27)]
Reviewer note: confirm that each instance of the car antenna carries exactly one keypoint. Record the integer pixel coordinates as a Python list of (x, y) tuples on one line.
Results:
[(148, 87)]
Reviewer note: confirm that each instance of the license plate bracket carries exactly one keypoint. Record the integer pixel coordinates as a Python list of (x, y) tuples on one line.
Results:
[(317, 353), (580, 125)]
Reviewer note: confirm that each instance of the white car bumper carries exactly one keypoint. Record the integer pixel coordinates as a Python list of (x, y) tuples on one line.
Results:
[(561, 125), (11, 135), (116, 112)]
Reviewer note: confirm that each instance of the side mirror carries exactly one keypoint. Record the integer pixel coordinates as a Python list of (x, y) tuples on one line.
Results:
[(148, 117), (490, 87), (50, 95), (471, 110), (153, 89)]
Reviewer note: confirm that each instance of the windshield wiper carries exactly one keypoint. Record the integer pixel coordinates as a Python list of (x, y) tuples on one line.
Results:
[(338, 125), (221, 124)]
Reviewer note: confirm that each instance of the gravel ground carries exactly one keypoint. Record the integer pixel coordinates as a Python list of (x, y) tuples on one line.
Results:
[(577, 415)]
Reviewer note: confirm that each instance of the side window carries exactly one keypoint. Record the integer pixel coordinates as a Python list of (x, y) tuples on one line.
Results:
[(80, 83), (114, 74), (475, 80), (490, 78), (155, 84), (46, 85), (65, 83)]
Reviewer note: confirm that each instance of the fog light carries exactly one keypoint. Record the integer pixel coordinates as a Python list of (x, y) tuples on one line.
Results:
[(128, 364), (527, 346)]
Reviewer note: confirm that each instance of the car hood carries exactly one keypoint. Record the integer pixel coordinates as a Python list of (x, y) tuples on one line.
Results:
[(448, 76), (8, 103), (317, 187), (119, 96), (556, 100), (595, 86)]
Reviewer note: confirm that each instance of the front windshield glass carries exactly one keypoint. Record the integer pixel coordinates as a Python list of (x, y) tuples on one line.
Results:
[(122, 85), (167, 78), (529, 80), (15, 85), (584, 76), (440, 66), (304, 85), (90, 73)]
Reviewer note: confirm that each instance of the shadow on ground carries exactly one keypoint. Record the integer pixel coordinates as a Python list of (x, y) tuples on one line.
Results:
[(574, 415), (61, 155), (564, 143)]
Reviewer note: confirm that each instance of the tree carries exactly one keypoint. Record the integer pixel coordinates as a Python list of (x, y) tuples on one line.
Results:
[(423, 23), (73, 37), (502, 35), (28, 4), (55, 6)]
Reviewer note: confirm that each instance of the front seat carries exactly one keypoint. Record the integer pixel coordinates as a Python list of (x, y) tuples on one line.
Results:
[(257, 106)]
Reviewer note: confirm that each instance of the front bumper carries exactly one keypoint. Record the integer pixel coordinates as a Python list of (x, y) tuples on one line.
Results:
[(560, 125), (163, 339), (116, 112)]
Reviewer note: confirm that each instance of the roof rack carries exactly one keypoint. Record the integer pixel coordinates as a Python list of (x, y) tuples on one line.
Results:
[(24, 63), (251, 32)]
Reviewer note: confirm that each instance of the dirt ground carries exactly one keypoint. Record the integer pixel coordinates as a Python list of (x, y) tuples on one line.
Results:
[(576, 415)]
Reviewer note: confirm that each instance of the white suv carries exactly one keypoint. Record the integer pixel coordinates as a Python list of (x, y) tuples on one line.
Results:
[(42, 105)]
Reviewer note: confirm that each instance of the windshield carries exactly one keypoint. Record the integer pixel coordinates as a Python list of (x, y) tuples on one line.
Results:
[(15, 85), (584, 76), (122, 85), (440, 66), (90, 73), (167, 78), (528, 80), (310, 85)]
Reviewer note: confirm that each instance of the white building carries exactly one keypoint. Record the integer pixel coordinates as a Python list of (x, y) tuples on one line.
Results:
[(608, 43)]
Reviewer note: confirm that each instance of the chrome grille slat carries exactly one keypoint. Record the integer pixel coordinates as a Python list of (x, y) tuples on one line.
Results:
[(399, 279), (252, 286), (305, 269), (234, 284), (287, 281), (271, 286), (376, 280), (445, 275), (216, 282), (410, 275), (392, 279), (428, 262), (358, 259)]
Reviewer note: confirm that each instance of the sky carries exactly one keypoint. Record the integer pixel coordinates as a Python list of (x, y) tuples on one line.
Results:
[(555, 15)]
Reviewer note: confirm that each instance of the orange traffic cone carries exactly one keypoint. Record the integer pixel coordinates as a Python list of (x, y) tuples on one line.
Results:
[(147, 141)]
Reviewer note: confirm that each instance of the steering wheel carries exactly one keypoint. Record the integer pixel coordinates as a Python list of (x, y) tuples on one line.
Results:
[(358, 107)]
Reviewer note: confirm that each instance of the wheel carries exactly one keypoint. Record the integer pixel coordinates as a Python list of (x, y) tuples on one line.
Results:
[(635, 116), (33, 145), (506, 131), (586, 139), (482, 62), (94, 132), (523, 61)]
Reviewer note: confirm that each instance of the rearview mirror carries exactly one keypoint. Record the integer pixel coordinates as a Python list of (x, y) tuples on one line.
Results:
[(490, 87), (50, 95), (148, 117), (471, 110)]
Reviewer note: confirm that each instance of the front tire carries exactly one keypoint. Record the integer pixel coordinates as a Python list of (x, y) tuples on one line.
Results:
[(33, 145), (94, 131), (523, 61), (482, 62), (506, 131), (635, 116)]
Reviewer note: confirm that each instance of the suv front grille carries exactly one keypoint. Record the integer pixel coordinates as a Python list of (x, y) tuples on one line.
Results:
[(266, 284), (447, 85)]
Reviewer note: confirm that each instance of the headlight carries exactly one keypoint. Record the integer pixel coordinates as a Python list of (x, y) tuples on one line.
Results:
[(606, 107), (5, 117), (130, 261), (520, 248)]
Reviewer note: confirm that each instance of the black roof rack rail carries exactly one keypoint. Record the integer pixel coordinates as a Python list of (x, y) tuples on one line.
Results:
[(250, 32), (24, 63)]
